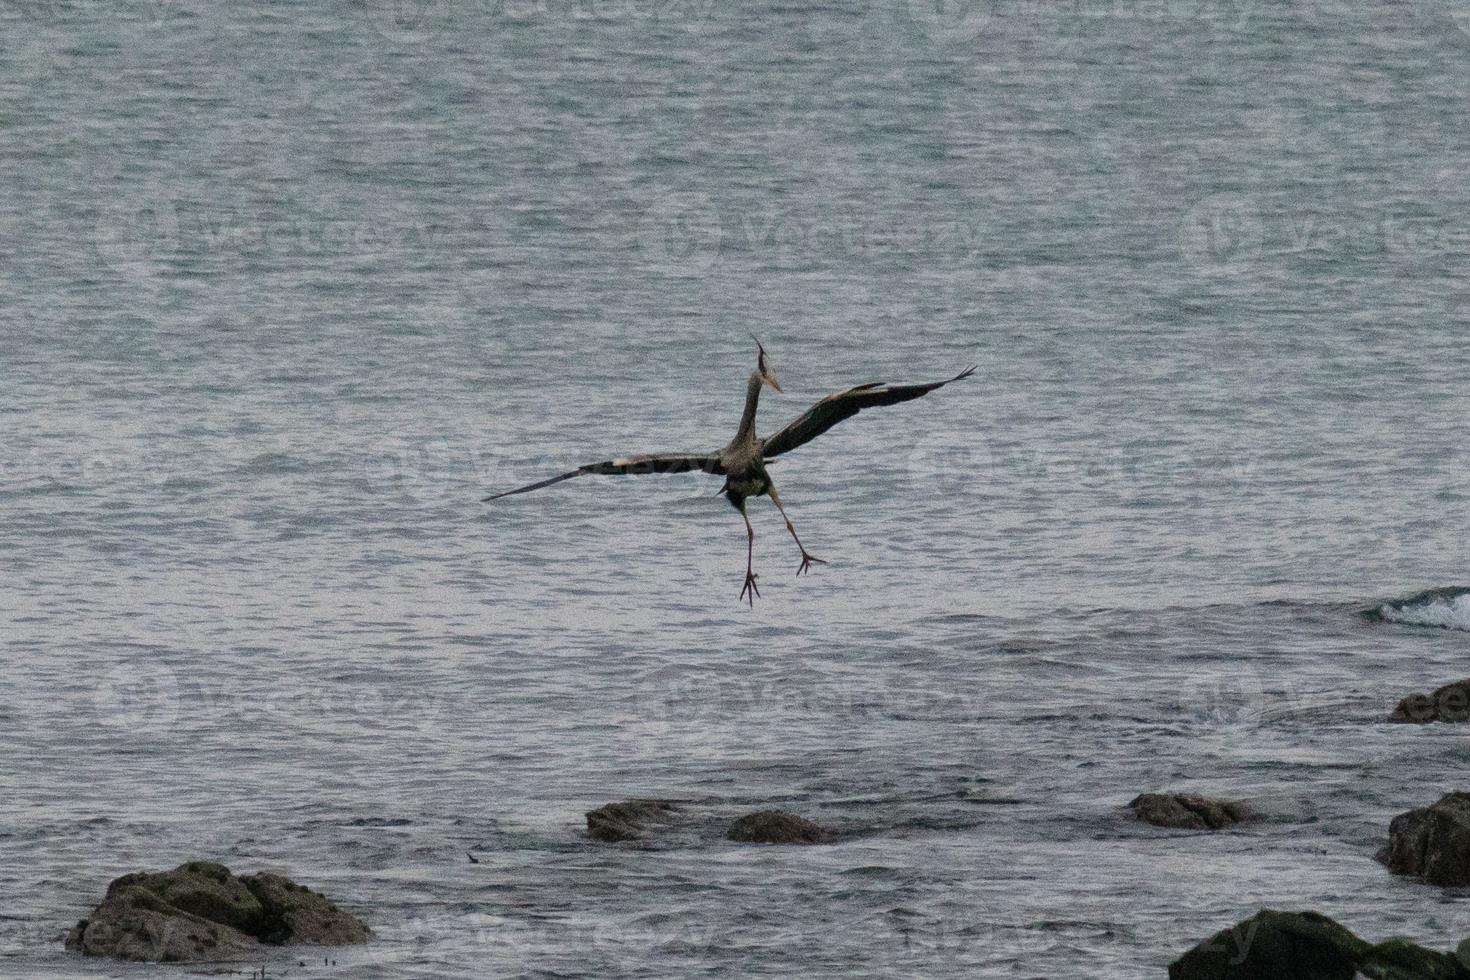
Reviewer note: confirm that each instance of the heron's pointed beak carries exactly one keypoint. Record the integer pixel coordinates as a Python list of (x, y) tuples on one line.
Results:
[(764, 364)]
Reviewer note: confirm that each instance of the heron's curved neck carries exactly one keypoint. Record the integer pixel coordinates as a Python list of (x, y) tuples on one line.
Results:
[(752, 396)]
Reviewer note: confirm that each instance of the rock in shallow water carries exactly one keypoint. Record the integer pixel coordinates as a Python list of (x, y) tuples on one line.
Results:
[(1186, 811), (1432, 842), (778, 827), (1448, 703), (200, 911), (1274, 945), (296, 914), (628, 820), (639, 820)]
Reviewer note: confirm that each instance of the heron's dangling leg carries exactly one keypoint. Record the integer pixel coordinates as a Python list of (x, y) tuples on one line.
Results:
[(806, 559), (750, 575)]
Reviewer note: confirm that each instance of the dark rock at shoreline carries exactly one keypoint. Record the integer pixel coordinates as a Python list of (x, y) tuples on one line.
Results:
[(1448, 703), (1274, 945), (628, 820), (778, 827), (295, 914), (1187, 811), (1432, 842), (200, 911)]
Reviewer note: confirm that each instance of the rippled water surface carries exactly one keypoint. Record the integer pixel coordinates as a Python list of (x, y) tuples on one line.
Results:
[(289, 288)]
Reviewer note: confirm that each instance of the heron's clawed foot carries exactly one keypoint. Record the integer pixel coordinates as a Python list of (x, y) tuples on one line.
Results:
[(750, 588), (806, 562)]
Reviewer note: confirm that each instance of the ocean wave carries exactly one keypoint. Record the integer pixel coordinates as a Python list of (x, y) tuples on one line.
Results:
[(1444, 608)]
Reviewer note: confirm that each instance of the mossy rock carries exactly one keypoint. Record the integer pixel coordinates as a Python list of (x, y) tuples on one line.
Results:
[(1450, 703), (778, 827), (629, 820), (295, 914), (1432, 842), (1399, 959), (1273, 945), (1187, 811), (133, 923), (200, 888), (201, 912), (1310, 946)]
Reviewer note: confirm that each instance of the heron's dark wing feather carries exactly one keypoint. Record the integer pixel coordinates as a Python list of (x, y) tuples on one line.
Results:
[(844, 405), (648, 463)]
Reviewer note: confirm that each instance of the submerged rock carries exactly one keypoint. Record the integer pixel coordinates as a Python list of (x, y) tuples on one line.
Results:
[(628, 820), (778, 827), (200, 911), (1432, 842), (640, 820), (1448, 703), (1187, 811), (1308, 946)]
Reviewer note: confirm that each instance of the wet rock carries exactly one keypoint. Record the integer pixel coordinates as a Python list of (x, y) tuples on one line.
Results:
[(295, 914), (1274, 945), (1432, 842), (628, 820), (1448, 703), (135, 924), (1309, 946), (200, 911), (1186, 811), (778, 827), (202, 888), (1399, 959)]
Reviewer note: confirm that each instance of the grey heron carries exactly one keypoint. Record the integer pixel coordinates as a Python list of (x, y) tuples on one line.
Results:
[(743, 461)]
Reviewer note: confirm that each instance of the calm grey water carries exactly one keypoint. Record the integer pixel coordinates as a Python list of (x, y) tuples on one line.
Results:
[(288, 289)]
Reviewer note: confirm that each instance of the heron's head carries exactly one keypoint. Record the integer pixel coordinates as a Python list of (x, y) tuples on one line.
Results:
[(764, 368)]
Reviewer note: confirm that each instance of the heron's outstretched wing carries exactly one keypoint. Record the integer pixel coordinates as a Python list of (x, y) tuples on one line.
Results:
[(844, 405), (649, 463)]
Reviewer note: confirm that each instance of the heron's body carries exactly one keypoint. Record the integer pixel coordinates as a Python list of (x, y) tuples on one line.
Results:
[(742, 461), (737, 491)]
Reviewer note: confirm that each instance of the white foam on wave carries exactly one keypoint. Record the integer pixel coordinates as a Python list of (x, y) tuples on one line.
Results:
[(1447, 610)]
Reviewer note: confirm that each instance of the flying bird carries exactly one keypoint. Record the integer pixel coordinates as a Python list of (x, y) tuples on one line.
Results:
[(743, 461)]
